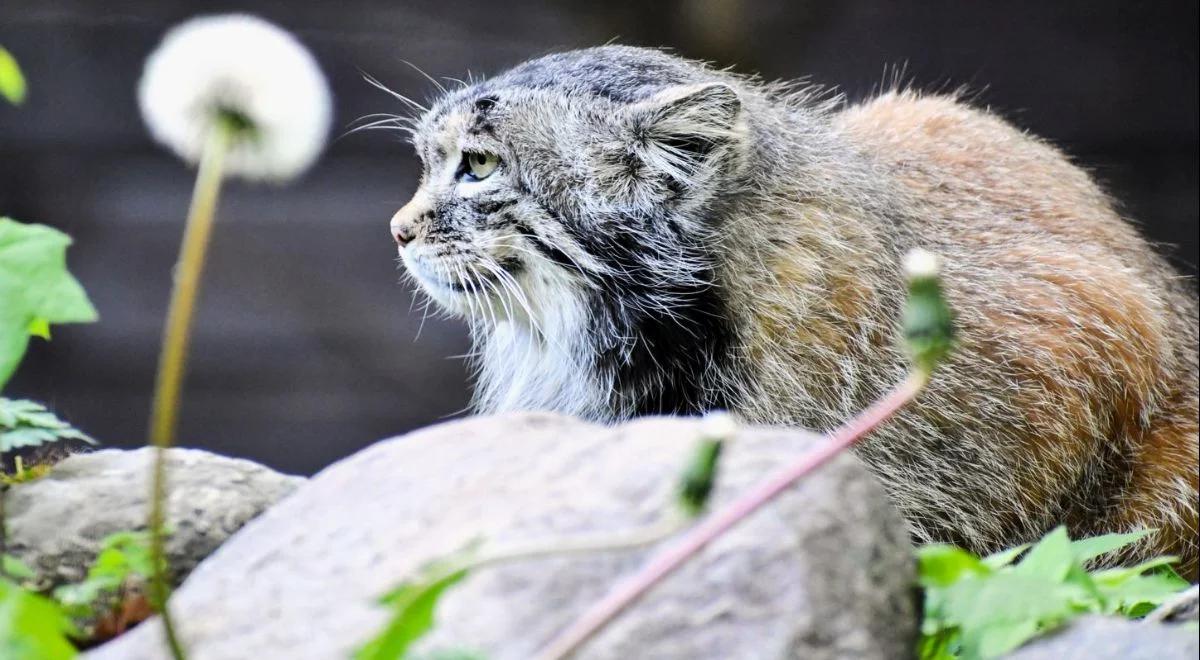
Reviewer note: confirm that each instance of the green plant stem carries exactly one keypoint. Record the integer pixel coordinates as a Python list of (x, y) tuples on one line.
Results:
[(555, 547), (3, 530), (589, 544), (671, 558), (172, 361)]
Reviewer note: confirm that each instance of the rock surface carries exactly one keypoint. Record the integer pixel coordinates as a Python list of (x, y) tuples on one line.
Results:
[(824, 572), (56, 523), (1114, 638)]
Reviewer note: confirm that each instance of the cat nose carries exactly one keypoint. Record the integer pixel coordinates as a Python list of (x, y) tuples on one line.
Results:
[(403, 234), (404, 222)]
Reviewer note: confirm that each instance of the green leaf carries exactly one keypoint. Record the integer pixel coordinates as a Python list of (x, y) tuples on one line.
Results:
[(15, 568), (1093, 547), (987, 608), (998, 639), (35, 288), (12, 83), (1115, 576), (1131, 591), (928, 322), (412, 604), (28, 424), (32, 627), (1083, 593), (939, 645), (40, 328), (943, 565), (123, 556), (1004, 557), (1050, 558), (698, 479)]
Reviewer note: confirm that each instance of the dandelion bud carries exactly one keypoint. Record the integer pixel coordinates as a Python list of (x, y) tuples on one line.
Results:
[(928, 321), (698, 479)]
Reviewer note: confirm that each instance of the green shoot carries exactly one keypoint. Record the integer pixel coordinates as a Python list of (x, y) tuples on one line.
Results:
[(986, 607), (412, 605), (123, 563), (928, 322)]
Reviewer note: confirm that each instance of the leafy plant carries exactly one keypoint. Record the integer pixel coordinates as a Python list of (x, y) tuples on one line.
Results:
[(412, 605), (123, 563), (985, 607), (24, 474), (26, 423), (32, 626), (36, 289)]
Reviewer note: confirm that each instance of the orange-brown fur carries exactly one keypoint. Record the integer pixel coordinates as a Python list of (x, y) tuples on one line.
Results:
[(1097, 334)]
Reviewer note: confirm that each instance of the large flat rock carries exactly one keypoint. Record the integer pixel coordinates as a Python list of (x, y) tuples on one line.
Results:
[(824, 572)]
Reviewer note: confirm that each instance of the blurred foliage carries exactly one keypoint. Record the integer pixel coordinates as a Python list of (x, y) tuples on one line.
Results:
[(108, 600), (928, 322), (12, 83), (29, 424), (32, 627), (412, 604), (123, 562), (36, 289), (984, 608), (15, 569), (696, 484)]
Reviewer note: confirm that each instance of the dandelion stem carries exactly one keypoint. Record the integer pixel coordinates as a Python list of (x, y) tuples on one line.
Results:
[(667, 561), (172, 361)]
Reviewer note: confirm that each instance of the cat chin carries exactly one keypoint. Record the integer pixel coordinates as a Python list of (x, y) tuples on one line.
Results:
[(454, 300), (450, 297)]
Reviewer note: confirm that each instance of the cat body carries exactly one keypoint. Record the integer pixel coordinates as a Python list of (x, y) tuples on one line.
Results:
[(631, 233)]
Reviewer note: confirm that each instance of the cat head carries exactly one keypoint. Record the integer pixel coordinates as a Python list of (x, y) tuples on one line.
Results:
[(580, 176)]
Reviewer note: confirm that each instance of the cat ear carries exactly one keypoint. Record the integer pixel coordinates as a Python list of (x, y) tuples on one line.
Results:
[(684, 127)]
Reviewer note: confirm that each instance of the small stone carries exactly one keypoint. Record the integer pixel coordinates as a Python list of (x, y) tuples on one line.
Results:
[(56, 523)]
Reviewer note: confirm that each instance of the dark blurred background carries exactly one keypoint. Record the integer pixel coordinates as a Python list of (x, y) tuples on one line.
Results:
[(306, 346)]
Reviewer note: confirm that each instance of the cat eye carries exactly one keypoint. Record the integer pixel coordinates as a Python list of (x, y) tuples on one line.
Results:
[(477, 166)]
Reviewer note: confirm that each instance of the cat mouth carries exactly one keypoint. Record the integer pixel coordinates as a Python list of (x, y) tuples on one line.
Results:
[(434, 280), (483, 289), (443, 283)]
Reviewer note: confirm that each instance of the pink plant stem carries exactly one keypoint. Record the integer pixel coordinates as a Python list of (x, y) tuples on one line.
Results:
[(663, 564)]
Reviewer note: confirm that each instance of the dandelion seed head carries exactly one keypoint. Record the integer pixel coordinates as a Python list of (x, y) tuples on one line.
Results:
[(242, 69)]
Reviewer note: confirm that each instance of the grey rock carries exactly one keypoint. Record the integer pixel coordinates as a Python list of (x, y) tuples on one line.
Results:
[(1184, 607), (56, 523), (824, 572), (1114, 638)]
